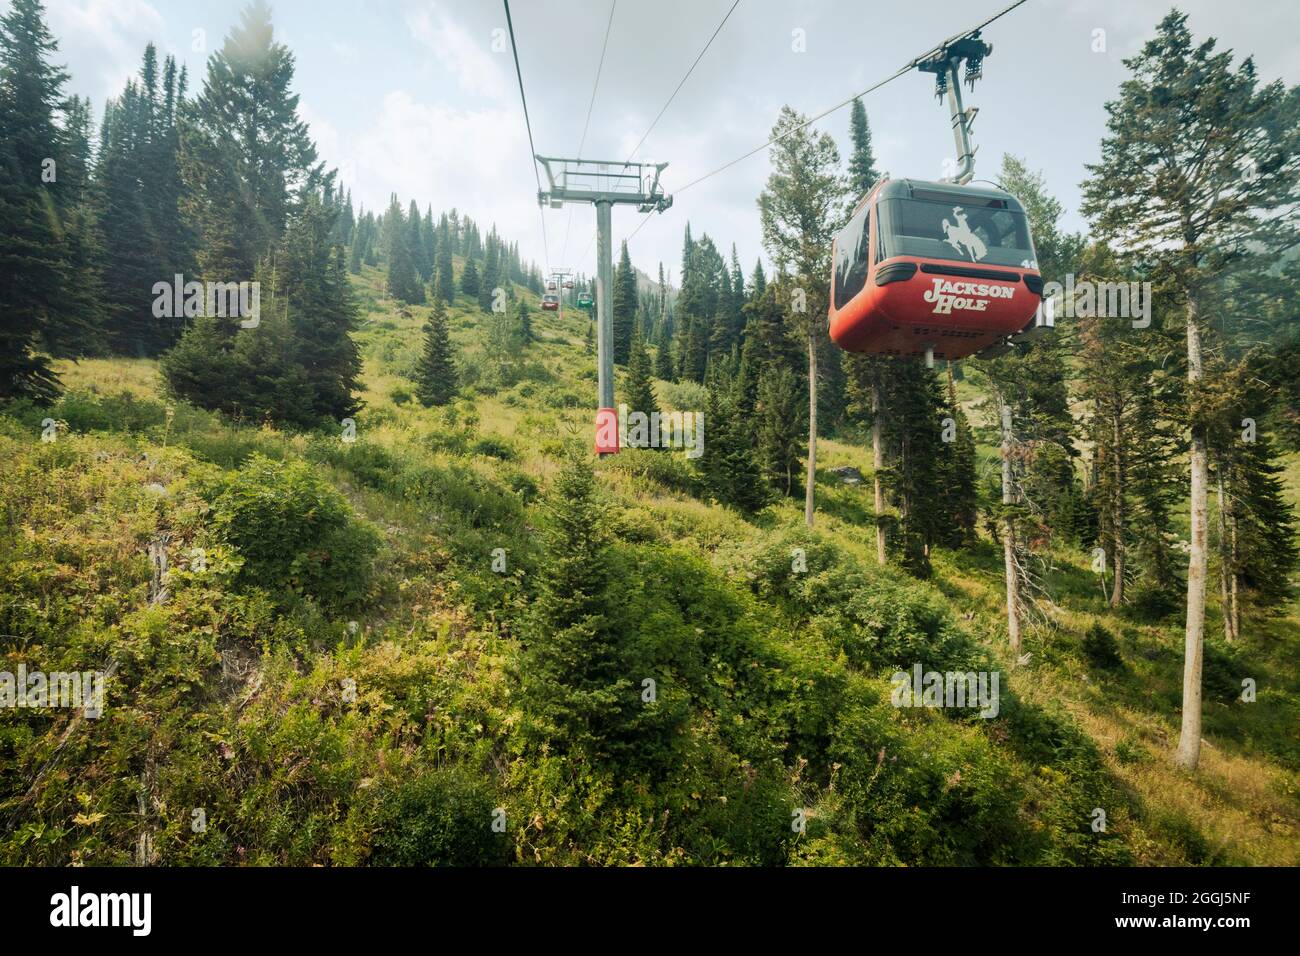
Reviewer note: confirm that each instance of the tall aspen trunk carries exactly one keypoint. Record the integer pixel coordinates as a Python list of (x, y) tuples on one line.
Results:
[(812, 427), (1189, 740), (878, 463), (1009, 536)]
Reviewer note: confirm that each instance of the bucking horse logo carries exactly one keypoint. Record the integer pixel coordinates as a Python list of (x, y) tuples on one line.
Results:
[(960, 235)]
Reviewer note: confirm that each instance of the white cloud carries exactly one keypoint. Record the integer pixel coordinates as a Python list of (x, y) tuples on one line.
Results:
[(474, 160), (345, 52), (466, 55), (110, 33)]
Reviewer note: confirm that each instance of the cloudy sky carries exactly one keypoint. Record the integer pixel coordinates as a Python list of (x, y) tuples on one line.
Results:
[(411, 96)]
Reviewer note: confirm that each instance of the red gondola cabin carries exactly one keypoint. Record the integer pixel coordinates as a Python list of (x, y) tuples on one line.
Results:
[(551, 303), (933, 266)]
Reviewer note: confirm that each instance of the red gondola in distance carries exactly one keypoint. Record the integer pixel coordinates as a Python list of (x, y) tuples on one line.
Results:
[(938, 266)]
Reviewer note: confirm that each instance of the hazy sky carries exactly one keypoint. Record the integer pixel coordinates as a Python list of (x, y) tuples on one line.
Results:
[(409, 96)]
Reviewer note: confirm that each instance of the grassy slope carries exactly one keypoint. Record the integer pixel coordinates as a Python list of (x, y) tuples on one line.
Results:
[(1244, 804)]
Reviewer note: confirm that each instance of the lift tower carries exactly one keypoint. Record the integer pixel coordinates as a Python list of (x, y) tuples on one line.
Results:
[(603, 184)]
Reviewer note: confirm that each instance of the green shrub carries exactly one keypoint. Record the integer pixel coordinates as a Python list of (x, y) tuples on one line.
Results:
[(295, 533), (684, 396), (1101, 649), (440, 818), (672, 470), (494, 446)]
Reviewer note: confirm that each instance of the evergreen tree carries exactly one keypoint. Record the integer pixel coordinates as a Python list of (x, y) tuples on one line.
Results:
[(695, 350), (862, 161), (729, 469), (576, 686), (313, 281), (403, 282), (140, 194), (436, 378), (357, 247), (664, 355), (33, 262), (428, 247), (247, 158), (469, 279), (299, 365), (624, 306), (79, 327), (778, 422), (491, 279), (757, 281), (525, 322), (415, 245), (446, 283), (638, 388)]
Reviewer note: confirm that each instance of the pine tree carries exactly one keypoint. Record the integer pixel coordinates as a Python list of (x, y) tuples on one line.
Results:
[(299, 365), (139, 198), (436, 377), (403, 282), (32, 260), (779, 418), (247, 158), (638, 388), (79, 328), (729, 469), (664, 355), (415, 245), (312, 279), (576, 686), (624, 307), (863, 174), (757, 281), (469, 279), (491, 280), (357, 247), (446, 283), (428, 247), (695, 350), (525, 322)]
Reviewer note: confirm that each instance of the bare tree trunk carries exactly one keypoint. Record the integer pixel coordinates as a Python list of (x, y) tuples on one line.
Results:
[(1009, 536), (1117, 509), (1189, 740), (1235, 580), (812, 427), (1227, 565), (878, 463)]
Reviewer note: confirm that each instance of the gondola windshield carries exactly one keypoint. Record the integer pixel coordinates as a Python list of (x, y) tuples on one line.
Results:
[(958, 228)]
